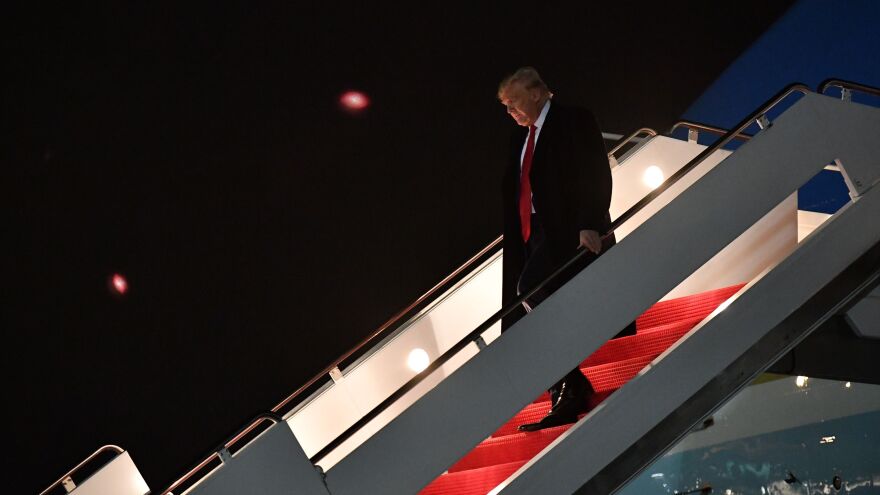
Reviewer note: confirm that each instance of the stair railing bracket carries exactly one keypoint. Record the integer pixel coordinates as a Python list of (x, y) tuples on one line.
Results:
[(335, 374), (68, 484)]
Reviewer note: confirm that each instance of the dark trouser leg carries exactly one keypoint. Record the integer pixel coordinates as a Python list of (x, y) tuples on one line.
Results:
[(575, 382), (626, 332), (539, 265)]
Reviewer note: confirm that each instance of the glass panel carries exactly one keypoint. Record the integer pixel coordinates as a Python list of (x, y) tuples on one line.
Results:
[(780, 435), (379, 373)]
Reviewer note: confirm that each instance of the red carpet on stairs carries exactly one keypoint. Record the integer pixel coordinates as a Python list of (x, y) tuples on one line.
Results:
[(685, 307), (611, 366), (509, 448), (650, 341)]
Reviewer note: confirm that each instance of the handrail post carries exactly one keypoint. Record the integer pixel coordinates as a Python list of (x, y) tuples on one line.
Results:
[(336, 374), (847, 88), (68, 484), (224, 455)]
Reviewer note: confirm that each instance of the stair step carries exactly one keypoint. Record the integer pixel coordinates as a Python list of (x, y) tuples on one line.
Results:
[(609, 377), (649, 342), (685, 307), (508, 448), (530, 414), (508, 444)]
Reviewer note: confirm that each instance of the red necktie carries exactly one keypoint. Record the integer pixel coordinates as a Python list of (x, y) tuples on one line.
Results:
[(525, 186)]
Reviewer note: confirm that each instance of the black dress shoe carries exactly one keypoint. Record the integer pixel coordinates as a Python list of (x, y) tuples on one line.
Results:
[(548, 421), (572, 400)]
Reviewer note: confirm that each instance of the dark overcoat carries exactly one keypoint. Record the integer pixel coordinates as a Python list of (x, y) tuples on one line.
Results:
[(571, 190)]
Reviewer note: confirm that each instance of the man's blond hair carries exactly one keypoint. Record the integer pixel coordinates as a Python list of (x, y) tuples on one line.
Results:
[(528, 77)]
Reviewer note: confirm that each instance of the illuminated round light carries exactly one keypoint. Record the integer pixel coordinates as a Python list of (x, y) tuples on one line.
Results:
[(848, 385), (354, 101), (418, 360), (653, 177), (119, 284), (801, 381)]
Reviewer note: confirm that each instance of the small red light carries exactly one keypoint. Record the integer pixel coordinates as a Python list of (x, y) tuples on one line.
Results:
[(119, 284), (354, 101)]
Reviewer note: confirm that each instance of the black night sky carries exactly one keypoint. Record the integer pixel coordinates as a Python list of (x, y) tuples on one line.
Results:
[(202, 153)]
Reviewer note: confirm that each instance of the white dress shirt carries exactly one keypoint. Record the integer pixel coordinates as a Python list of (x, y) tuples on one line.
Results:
[(538, 125)]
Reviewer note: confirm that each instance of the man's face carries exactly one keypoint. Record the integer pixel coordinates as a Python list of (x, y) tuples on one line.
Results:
[(521, 103)]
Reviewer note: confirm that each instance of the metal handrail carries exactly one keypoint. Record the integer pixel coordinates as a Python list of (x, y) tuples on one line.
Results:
[(620, 144), (758, 116), (847, 86), (698, 127), (85, 461), (222, 451)]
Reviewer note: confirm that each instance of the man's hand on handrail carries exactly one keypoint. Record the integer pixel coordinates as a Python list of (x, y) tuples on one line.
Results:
[(591, 240)]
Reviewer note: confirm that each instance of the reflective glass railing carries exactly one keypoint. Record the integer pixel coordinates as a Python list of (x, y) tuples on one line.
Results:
[(780, 435)]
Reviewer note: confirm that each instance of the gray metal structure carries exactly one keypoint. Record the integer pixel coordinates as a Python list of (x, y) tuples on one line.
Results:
[(273, 464), (864, 317)]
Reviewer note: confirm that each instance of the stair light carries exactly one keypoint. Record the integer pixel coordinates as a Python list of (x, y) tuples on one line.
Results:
[(418, 360), (653, 177)]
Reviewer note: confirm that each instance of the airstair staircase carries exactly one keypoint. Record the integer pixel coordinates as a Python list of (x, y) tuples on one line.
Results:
[(693, 351)]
